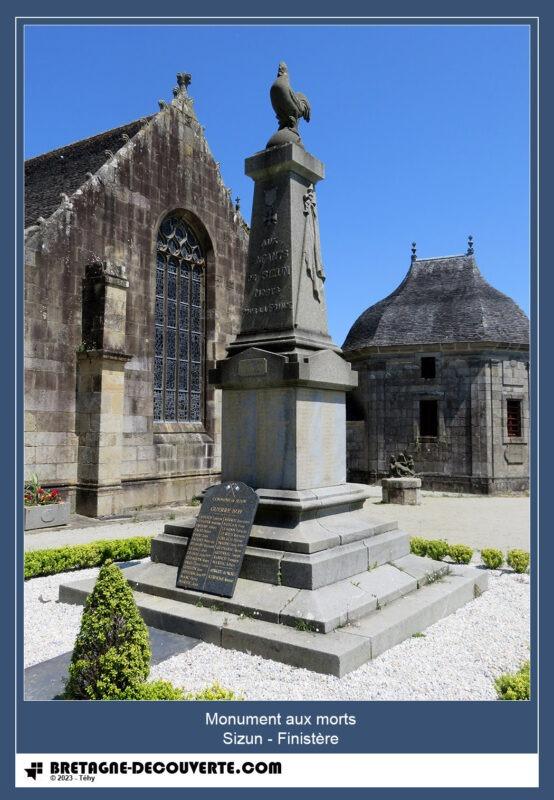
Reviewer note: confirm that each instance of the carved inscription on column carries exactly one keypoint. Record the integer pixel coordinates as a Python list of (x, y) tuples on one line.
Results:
[(215, 553), (267, 283)]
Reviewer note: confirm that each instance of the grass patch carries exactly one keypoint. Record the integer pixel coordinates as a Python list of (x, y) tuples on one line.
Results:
[(304, 625)]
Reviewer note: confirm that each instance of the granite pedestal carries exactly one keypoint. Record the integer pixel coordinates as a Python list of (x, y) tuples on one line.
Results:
[(402, 491)]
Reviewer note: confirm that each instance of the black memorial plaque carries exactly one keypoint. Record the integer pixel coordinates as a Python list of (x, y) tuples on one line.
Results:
[(216, 549)]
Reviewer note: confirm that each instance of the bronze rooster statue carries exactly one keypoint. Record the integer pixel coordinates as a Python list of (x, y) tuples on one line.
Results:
[(289, 107)]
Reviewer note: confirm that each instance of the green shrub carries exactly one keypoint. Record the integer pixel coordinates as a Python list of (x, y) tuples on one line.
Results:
[(460, 553), (492, 559), (153, 690), (516, 685), (81, 556), (164, 690), (437, 549), (418, 545), (518, 560), (111, 656), (213, 692)]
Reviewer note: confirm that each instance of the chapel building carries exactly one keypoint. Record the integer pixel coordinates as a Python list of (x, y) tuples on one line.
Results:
[(134, 273), (443, 365)]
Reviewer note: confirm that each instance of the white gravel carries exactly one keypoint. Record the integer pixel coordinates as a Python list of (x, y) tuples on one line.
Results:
[(457, 659), (50, 627)]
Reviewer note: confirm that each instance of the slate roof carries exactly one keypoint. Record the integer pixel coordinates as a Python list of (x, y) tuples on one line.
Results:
[(441, 300), (64, 170)]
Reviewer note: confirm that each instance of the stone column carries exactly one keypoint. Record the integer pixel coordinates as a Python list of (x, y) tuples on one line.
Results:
[(100, 390), (284, 381), (284, 303)]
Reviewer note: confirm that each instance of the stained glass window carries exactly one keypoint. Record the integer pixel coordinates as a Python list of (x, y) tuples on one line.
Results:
[(179, 320)]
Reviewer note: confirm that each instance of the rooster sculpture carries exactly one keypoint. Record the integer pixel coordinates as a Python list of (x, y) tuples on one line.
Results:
[(289, 107)]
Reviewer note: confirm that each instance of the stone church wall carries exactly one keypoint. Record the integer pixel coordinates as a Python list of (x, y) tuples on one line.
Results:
[(114, 218)]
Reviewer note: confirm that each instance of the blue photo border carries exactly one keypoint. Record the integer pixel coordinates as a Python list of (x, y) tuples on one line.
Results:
[(439, 727)]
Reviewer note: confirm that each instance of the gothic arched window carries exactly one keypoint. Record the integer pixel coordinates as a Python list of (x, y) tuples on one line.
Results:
[(179, 320)]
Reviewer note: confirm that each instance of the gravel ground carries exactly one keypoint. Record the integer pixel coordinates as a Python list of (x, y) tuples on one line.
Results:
[(46, 540), (477, 520), (457, 659)]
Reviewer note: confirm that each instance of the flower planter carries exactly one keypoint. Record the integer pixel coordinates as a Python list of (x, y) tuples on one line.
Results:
[(47, 516)]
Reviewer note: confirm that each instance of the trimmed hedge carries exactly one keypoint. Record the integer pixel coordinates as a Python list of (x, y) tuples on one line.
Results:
[(82, 556), (460, 553), (418, 545), (492, 558), (518, 560), (112, 652), (516, 685), (213, 692), (164, 690), (439, 549), (153, 690)]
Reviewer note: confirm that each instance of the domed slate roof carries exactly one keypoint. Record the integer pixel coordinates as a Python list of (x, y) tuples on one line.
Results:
[(440, 301)]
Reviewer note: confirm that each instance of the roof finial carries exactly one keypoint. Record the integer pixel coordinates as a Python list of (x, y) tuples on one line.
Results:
[(469, 245), (184, 80), (414, 254)]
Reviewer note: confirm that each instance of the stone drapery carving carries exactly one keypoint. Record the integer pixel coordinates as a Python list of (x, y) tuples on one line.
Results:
[(311, 249)]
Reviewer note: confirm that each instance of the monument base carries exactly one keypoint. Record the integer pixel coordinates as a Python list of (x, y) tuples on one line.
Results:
[(328, 610), (403, 491)]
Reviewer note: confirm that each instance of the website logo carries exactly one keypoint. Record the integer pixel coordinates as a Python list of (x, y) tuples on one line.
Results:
[(34, 770)]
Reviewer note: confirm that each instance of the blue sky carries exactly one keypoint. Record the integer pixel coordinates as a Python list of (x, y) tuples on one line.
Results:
[(424, 130)]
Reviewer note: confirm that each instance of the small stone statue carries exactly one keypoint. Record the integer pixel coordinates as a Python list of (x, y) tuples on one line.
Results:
[(289, 107), (402, 467)]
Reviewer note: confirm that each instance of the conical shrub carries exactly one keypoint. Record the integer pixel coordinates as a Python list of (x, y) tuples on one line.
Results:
[(112, 650)]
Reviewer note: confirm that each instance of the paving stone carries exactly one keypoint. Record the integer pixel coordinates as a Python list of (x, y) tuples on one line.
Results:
[(386, 583), (329, 607), (333, 653), (413, 613), (424, 570), (321, 569), (387, 546)]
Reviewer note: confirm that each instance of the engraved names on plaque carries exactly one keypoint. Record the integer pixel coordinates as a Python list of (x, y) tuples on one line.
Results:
[(216, 549)]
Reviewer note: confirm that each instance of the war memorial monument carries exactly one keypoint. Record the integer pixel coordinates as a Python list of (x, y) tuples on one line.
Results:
[(322, 585)]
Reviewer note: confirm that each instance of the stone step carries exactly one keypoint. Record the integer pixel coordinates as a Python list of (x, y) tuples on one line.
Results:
[(419, 610), (334, 653), (311, 535), (300, 570), (321, 610)]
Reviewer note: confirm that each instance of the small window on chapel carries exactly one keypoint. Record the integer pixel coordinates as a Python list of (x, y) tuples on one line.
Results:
[(429, 418), (428, 367), (513, 417)]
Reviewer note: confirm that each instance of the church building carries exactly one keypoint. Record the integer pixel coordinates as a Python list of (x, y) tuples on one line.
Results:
[(443, 366), (134, 273)]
